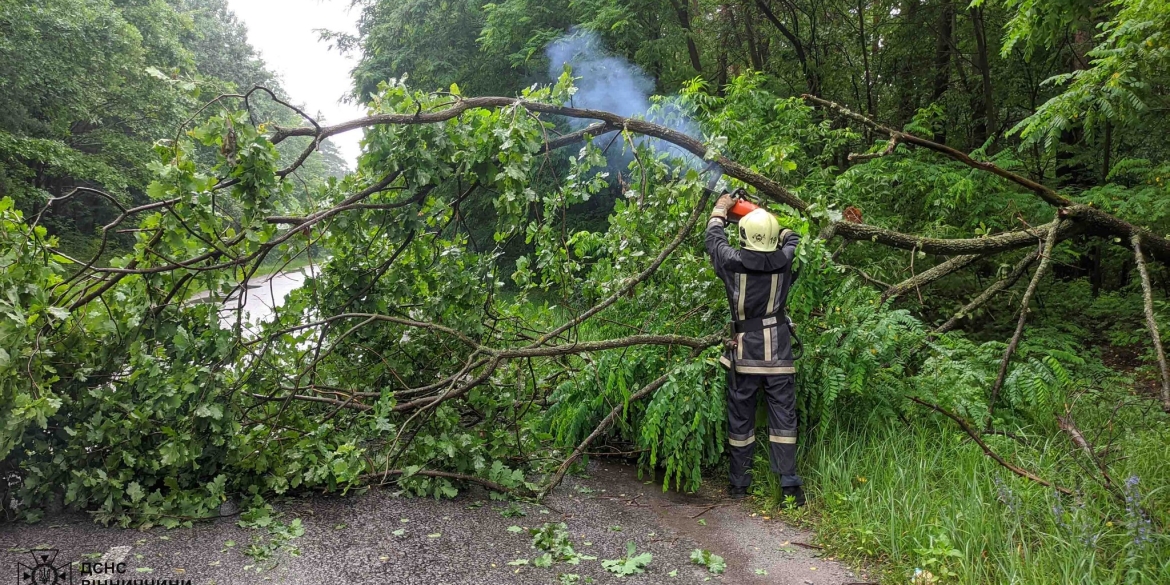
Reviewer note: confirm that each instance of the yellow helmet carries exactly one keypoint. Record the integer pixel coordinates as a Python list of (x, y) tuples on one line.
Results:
[(759, 231)]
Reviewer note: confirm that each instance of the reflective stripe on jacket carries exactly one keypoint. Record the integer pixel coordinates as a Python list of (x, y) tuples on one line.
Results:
[(757, 285)]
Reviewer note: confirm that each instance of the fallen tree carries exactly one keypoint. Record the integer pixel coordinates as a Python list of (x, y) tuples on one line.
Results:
[(399, 357)]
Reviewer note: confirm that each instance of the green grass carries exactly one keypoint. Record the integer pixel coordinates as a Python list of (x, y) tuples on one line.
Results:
[(925, 496)]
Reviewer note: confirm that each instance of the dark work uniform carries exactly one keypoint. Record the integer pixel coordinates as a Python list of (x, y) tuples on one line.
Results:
[(757, 286)]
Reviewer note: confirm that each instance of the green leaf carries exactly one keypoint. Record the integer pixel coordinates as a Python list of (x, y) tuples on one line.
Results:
[(134, 491)]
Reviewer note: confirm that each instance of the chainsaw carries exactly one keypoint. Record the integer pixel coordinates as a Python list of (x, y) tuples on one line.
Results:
[(743, 205)]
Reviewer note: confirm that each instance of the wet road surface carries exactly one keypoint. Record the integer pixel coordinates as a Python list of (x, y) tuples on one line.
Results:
[(461, 541)]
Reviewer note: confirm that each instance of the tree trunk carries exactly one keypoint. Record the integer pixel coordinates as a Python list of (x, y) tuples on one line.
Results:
[(942, 58), (985, 104), (865, 58), (810, 74), (684, 19), (757, 59), (1095, 271)]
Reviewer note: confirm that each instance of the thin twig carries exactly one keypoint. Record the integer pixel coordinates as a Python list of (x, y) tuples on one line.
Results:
[(1070, 428), (999, 285), (1045, 260), (971, 432)]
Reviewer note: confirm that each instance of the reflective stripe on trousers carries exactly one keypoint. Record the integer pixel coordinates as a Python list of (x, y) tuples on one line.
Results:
[(742, 398)]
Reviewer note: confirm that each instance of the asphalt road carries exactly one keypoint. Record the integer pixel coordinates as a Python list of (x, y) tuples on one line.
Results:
[(460, 541)]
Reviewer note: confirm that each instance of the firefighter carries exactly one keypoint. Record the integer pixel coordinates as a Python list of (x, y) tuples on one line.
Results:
[(757, 278)]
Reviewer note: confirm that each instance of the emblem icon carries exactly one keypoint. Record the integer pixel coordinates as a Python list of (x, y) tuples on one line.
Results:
[(44, 570)]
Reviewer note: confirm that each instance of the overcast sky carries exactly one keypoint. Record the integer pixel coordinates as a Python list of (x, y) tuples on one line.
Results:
[(283, 32)]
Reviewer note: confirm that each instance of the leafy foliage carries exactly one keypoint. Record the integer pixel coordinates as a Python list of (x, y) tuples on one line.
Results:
[(705, 558), (631, 564), (92, 84), (554, 540)]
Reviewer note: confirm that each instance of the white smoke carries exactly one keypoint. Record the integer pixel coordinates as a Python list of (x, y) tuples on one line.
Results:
[(613, 84)]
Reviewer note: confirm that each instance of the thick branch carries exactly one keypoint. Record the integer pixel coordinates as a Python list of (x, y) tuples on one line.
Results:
[(1096, 221), (1151, 320), (924, 278), (349, 403), (888, 150), (573, 137), (949, 247), (691, 145), (590, 346), (1101, 223)]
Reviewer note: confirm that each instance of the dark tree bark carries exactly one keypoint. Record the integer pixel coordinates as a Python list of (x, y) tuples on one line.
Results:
[(984, 102), (684, 19), (812, 80), (942, 58), (754, 54), (865, 58)]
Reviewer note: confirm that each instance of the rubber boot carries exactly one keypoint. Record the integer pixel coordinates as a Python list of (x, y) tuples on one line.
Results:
[(797, 494)]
